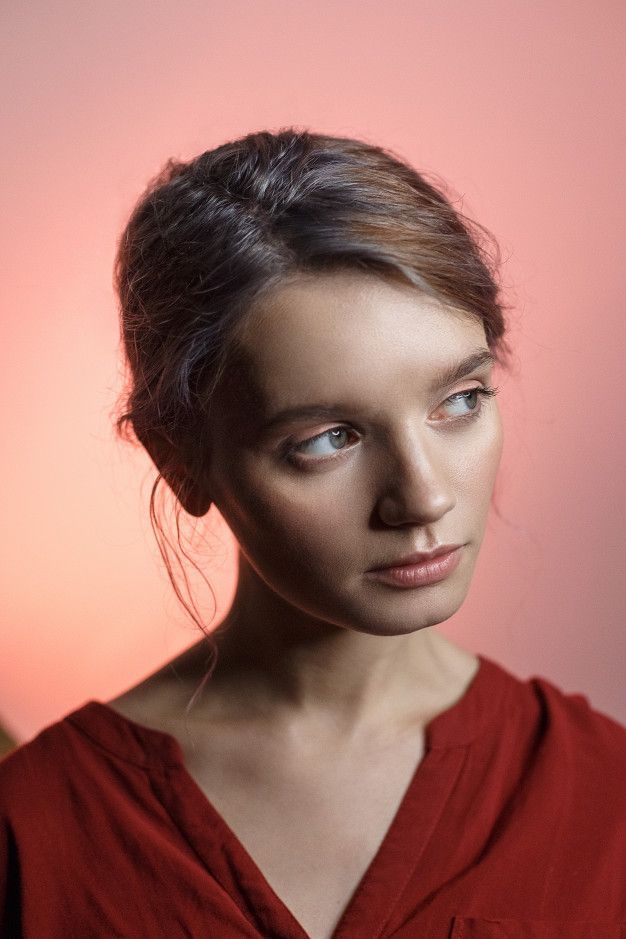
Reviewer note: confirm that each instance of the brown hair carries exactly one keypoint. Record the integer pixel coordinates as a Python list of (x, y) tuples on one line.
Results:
[(211, 235)]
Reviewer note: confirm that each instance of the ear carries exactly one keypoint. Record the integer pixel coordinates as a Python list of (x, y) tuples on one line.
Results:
[(192, 496)]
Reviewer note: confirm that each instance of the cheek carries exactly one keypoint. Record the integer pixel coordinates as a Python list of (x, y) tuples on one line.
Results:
[(299, 541), (494, 451), (313, 519), (479, 465), (286, 521)]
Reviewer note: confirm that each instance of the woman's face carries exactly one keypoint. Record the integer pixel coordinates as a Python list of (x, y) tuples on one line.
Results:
[(403, 460)]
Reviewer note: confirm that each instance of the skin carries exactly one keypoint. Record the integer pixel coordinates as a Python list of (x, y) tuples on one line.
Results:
[(326, 678), (402, 477)]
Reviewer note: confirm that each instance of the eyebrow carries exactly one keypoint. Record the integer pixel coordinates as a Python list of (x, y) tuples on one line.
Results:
[(478, 359)]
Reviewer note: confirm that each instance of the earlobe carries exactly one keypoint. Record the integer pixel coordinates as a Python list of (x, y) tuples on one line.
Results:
[(193, 499), (195, 503), (190, 495)]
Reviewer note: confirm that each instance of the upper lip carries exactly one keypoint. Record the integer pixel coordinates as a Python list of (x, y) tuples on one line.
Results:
[(418, 557)]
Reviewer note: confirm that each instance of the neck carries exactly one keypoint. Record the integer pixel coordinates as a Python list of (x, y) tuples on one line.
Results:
[(275, 658)]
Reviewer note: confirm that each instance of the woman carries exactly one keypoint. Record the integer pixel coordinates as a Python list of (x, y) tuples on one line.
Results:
[(311, 331)]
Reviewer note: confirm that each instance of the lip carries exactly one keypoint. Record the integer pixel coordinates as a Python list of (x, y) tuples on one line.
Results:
[(418, 557), (433, 567)]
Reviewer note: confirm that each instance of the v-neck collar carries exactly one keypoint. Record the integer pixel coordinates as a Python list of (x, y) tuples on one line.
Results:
[(403, 849)]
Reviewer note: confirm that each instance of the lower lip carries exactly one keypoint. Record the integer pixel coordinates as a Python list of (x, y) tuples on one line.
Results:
[(418, 575)]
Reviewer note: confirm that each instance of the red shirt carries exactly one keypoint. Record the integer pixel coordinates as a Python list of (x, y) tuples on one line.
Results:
[(513, 825)]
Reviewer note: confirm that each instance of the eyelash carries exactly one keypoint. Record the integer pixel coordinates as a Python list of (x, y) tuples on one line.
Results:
[(486, 392)]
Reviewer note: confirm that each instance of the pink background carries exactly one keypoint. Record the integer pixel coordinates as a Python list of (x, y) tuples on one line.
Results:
[(520, 106)]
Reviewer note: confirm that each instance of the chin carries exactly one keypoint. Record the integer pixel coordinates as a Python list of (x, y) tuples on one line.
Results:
[(402, 612)]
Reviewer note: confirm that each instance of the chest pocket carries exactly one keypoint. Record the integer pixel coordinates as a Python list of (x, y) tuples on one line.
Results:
[(466, 927)]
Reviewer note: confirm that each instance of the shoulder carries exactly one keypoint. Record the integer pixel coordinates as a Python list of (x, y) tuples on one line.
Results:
[(68, 762), (572, 716), (562, 714), (36, 805), (572, 748), (32, 773), (560, 764)]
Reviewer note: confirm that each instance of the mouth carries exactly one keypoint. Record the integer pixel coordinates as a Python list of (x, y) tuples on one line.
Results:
[(418, 557), (420, 569)]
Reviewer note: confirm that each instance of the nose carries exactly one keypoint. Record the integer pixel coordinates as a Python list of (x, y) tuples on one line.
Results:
[(417, 485)]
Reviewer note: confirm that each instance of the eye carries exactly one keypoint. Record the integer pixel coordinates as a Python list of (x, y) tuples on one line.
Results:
[(334, 436), (465, 404), (462, 406)]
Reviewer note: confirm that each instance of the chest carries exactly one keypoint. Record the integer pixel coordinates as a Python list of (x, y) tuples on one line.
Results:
[(312, 824)]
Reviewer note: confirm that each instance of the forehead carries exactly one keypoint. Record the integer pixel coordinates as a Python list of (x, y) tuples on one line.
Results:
[(345, 333)]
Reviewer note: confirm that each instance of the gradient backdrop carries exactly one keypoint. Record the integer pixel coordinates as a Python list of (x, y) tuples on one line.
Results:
[(520, 106)]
